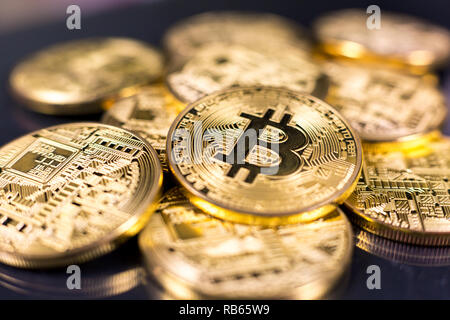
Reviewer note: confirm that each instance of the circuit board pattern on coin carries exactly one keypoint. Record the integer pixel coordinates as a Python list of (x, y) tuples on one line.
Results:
[(406, 195), (217, 67), (217, 259), (383, 105), (253, 30), (402, 37), (149, 113), (303, 155), (66, 77), (67, 191)]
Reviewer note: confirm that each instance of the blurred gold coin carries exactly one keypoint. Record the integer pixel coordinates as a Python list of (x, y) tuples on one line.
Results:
[(383, 105), (400, 40), (150, 113), (404, 195), (253, 30), (195, 256), (73, 192), (219, 66), (76, 77), (262, 155)]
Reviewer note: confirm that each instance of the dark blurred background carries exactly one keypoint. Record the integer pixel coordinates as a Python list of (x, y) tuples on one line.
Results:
[(29, 25)]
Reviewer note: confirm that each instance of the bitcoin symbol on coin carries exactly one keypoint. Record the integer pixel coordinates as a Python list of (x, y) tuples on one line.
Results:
[(274, 146)]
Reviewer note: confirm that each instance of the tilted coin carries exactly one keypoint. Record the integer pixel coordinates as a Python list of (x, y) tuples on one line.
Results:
[(429, 256), (73, 192), (219, 66), (76, 77), (401, 39), (195, 256), (262, 155), (384, 105), (405, 195), (149, 112), (253, 30)]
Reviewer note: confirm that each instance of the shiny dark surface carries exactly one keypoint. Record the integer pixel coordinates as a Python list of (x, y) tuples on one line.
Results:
[(148, 22)]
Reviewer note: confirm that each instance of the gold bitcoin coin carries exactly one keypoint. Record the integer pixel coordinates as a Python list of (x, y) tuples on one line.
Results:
[(195, 256), (384, 105), (402, 252), (77, 77), (73, 192), (400, 40), (150, 113), (253, 30), (262, 155), (219, 66), (404, 195)]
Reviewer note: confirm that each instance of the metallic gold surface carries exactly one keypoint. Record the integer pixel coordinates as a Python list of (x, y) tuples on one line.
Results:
[(76, 77), (73, 192), (150, 113), (428, 256), (383, 105), (401, 39), (195, 256), (253, 30), (302, 160), (404, 195), (219, 66)]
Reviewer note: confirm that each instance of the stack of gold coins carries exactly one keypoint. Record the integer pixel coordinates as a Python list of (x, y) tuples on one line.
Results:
[(263, 144)]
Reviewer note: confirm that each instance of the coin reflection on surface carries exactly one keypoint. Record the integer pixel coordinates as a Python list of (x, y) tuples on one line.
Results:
[(124, 275), (76, 77), (195, 256), (402, 252)]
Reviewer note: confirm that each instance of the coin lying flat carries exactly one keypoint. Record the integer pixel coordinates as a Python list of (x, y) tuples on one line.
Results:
[(218, 66), (149, 112), (383, 105), (404, 195), (253, 30), (429, 256), (73, 192), (77, 77), (195, 256), (401, 39), (264, 155)]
